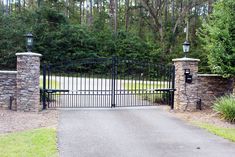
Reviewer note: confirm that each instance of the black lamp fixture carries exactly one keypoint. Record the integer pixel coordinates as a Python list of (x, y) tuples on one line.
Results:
[(29, 41), (186, 46)]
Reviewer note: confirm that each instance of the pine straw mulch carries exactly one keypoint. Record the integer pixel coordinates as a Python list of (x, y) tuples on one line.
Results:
[(203, 116), (12, 121)]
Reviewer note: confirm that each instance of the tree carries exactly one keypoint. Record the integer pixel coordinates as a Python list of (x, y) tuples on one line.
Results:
[(156, 25), (219, 38)]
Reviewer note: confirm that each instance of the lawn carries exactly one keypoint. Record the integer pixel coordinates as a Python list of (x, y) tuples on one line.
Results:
[(152, 96), (137, 86), (34, 143), (227, 133), (54, 84)]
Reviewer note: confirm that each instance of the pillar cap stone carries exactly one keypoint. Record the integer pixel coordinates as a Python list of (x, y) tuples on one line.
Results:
[(7, 72), (208, 75), (184, 59), (28, 54)]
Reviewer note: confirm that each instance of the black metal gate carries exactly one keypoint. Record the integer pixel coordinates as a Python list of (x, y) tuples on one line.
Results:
[(107, 82)]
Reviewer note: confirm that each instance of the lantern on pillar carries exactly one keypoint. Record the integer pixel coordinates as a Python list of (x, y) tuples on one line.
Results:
[(29, 41), (186, 46)]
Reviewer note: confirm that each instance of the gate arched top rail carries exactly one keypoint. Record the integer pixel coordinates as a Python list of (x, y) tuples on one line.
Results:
[(143, 62)]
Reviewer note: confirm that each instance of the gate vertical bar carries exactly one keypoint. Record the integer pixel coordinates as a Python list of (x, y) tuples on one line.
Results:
[(44, 87), (49, 95), (173, 87), (113, 81)]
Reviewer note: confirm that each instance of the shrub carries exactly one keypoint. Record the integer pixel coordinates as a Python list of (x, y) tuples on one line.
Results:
[(225, 106), (162, 98)]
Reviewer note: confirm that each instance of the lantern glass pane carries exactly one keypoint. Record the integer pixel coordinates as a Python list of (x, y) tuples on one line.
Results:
[(30, 41), (186, 48)]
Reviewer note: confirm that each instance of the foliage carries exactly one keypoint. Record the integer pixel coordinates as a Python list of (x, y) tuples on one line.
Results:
[(11, 39), (158, 97), (218, 34), (38, 142), (225, 106), (65, 32), (227, 133), (161, 98), (60, 41)]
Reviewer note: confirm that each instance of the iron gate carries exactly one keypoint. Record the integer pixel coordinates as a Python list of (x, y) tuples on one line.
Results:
[(107, 82)]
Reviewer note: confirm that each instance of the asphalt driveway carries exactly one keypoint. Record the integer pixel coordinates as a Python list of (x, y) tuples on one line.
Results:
[(134, 132)]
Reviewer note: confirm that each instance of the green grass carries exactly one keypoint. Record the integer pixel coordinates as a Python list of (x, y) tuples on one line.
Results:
[(34, 143), (227, 133), (156, 98), (137, 86), (54, 84)]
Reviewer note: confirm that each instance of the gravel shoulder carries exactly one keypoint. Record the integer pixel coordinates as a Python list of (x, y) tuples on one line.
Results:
[(204, 116), (12, 121)]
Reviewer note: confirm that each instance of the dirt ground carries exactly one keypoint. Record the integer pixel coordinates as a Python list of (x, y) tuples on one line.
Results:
[(204, 116), (12, 121)]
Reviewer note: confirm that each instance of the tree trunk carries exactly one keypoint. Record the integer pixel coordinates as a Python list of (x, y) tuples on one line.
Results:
[(87, 15), (113, 17), (141, 30), (83, 12), (194, 21), (161, 28), (210, 8), (80, 10), (181, 5), (127, 15), (19, 5), (166, 11), (7, 7), (91, 13), (102, 6), (67, 8), (39, 3)]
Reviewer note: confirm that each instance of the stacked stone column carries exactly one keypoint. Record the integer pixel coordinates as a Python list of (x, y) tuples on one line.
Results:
[(186, 94), (27, 84), (8, 89)]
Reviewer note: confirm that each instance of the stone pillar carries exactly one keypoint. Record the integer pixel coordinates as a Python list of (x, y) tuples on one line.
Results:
[(186, 95), (27, 83), (8, 89)]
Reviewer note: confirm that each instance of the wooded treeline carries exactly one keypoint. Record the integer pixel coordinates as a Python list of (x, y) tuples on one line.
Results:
[(73, 29)]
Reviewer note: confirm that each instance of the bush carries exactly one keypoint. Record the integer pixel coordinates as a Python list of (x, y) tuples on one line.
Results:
[(225, 106), (162, 98)]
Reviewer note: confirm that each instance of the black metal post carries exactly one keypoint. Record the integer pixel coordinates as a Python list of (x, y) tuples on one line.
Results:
[(44, 87), (173, 87), (113, 81)]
